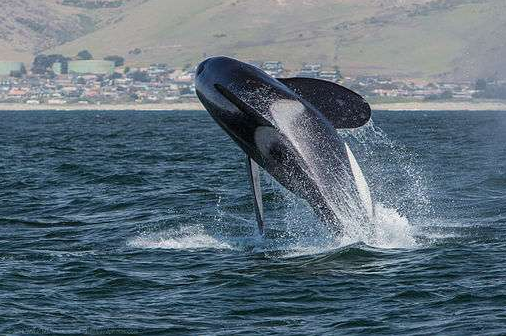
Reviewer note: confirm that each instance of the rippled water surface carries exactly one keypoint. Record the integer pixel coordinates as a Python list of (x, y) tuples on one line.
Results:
[(142, 223)]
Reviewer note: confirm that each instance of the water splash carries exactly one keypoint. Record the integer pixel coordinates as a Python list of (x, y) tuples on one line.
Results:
[(300, 232), (393, 172), (391, 230), (185, 238), (305, 234), (382, 161)]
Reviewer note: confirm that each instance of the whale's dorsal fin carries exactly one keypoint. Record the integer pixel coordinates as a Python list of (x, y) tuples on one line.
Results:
[(342, 107), (254, 179)]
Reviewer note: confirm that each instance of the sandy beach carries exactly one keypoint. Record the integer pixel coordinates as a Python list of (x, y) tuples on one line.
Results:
[(194, 106), (442, 106)]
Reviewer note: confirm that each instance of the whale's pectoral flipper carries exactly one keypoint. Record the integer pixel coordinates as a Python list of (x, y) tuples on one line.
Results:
[(254, 178), (342, 107)]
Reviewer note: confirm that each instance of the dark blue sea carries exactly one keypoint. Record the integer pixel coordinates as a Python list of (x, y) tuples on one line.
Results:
[(142, 223)]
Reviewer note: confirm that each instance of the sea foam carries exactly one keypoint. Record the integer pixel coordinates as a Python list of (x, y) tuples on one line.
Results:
[(186, 238)]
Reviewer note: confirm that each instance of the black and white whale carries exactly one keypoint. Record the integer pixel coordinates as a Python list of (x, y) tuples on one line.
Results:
[(287, 126)]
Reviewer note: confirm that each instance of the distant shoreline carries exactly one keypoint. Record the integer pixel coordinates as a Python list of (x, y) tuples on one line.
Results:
[(190, 106), (195, 106), (441, 106)]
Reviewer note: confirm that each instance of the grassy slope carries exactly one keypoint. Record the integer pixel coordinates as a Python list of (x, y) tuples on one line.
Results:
[(31, 26), (179, 32), (463, 40), (442, 43)]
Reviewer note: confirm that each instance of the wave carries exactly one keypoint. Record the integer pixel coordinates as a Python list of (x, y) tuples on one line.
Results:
[(298, 232), (186, 238)]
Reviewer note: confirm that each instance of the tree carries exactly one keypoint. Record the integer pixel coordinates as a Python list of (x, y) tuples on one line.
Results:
[(40, 65), (16, 74), (140, 76), (57, 58), (84, 55), (446, 95), (135, 51), (118, 60), (43, 64), (480, 85), (338, 72), (115, 75), (185, 91), (492, 91)]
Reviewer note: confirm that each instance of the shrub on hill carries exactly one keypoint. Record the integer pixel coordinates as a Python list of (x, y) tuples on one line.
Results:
[(84, 55), (118, 60)]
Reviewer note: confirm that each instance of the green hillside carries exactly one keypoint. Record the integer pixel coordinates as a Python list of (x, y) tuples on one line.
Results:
[(460, 39), (31, 26)]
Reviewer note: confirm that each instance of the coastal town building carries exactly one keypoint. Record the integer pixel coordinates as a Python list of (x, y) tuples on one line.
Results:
[(8, 68)]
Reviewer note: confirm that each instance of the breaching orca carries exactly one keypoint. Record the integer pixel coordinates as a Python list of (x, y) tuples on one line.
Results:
[(287, 126)]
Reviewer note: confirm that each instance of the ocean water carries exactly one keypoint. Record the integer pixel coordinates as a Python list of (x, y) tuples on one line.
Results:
[(142, 223)]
